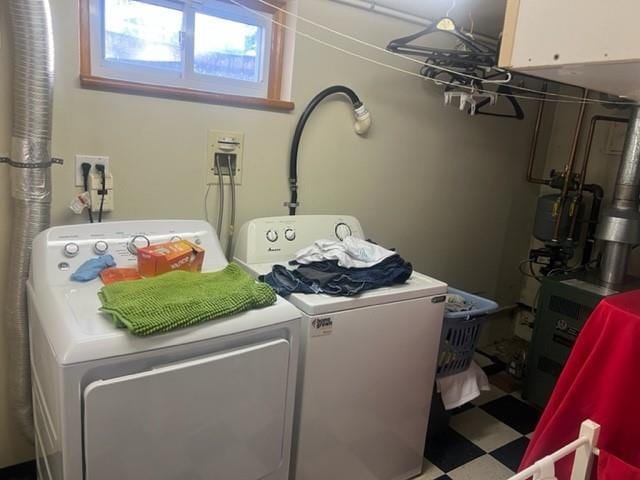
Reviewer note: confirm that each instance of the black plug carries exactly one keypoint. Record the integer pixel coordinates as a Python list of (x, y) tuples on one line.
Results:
[(86, 169), (100, 168)]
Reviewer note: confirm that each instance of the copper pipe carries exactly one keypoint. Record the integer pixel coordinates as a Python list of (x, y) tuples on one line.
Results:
[(583, 172), (569, 168), (534, 144)]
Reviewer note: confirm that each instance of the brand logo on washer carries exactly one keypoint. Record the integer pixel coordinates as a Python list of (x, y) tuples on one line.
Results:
[(321, 326), (273, 249), (322, 322)]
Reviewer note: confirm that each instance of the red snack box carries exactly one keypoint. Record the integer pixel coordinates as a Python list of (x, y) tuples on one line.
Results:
[(166, 257)]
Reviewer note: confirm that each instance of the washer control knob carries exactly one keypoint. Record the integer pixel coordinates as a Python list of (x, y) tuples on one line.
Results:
[(136, 242), (343, 231), (100, 247), (71, 250), (290, 234), (272, 235)]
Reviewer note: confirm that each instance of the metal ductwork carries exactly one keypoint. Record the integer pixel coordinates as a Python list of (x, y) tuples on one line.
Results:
[(620, 224), (30, 166)]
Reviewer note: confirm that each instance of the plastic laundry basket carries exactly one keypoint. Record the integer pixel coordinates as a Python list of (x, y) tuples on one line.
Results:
[(460, 333)]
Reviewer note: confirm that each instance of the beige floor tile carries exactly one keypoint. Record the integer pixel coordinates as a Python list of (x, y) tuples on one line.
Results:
[(429, 471), (487, 396), (482, 468)]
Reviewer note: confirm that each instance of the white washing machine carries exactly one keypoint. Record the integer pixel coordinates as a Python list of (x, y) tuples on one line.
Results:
[(367, 365), (213, 401)]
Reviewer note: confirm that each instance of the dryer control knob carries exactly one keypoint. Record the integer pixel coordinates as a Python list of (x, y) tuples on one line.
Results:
[(343, 231), (100, 247), (290, 234), (71, 250), (136, 242), (272, 235)]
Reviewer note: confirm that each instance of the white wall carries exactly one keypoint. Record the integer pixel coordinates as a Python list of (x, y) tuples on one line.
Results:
[(446, 189)]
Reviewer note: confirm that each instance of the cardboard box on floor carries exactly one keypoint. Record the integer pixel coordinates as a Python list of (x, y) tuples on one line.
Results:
[(167, 257)]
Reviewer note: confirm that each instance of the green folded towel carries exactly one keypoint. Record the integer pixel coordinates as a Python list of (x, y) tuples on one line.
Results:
[(180, 299)]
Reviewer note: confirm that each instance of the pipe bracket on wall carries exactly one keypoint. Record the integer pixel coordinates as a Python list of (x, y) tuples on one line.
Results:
[(53, 161)]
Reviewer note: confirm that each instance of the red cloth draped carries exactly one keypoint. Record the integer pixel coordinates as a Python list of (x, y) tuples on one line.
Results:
[(601, 382), (612, 468)]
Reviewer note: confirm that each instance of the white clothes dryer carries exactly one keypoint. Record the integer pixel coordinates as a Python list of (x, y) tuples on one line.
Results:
[(212, 401)]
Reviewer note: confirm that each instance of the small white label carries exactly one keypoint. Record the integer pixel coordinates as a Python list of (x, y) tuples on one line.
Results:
[(321, 326)]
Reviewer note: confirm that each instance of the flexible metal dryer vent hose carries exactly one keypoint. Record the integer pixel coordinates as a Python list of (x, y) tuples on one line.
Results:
[(30, 187)]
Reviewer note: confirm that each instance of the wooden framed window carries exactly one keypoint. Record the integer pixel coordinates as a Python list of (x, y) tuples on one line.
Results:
[(212, 51)]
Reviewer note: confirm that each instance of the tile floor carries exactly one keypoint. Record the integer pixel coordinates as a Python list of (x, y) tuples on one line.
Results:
[(485, 440)]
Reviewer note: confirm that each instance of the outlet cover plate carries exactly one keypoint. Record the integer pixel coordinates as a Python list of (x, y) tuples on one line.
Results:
[(93, 160)]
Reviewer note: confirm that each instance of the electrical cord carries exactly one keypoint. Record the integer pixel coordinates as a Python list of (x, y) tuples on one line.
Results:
[(100, 169), (86, 169), (570, 99), (232, 220), (531, 273), (221, 196), (206, 200)]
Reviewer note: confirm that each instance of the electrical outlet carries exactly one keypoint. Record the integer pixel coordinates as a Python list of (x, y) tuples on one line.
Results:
[(229, 147), (93, 160), (95, 189)]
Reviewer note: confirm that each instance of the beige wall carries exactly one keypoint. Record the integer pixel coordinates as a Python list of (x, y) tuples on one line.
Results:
[(429, 180)]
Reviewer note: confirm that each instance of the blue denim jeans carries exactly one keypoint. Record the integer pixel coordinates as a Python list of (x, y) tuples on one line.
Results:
[(328, 277)]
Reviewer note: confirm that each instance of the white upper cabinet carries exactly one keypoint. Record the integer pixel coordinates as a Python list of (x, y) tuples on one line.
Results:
[(589, 43)]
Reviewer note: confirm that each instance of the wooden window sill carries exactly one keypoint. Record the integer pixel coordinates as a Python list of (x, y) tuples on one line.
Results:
[(123, 86)]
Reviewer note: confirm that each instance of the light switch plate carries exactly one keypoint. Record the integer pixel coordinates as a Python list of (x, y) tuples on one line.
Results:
[(93, 160), (220, 141)]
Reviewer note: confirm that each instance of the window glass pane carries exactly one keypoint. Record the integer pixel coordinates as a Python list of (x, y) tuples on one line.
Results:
[(226, 48), (141, 33)]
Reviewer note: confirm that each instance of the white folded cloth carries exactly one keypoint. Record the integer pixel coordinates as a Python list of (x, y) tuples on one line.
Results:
[(460, 388), (352, 252)]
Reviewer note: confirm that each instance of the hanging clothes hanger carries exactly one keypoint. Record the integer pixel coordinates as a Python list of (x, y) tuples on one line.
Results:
[(507, 93), (476, 52), (465, 68), (478, 97)]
